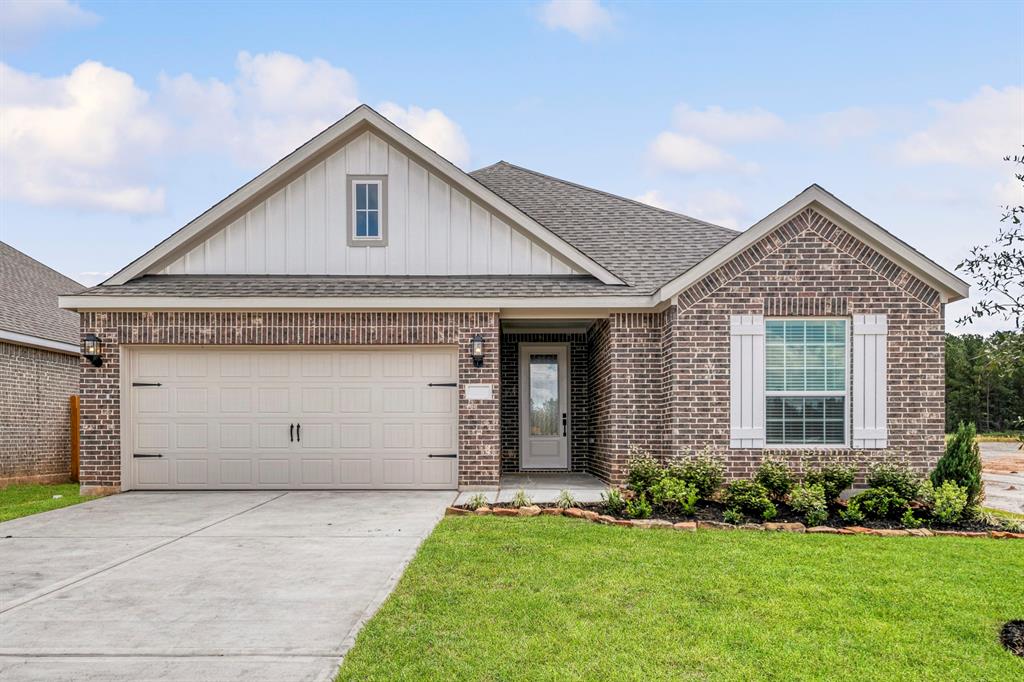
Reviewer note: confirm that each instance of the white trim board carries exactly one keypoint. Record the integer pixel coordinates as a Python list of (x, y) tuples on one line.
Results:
[(38, 342), (950, 287), (361, 118)]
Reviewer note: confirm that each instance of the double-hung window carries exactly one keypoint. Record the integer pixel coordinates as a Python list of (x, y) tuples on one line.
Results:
[(367, 215), (805, 381)]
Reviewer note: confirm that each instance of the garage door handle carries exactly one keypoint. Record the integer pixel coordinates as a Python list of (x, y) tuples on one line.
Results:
[(143, 383), (451, 456), (291, 433), (139, 455), (298, 432), (451, 385)]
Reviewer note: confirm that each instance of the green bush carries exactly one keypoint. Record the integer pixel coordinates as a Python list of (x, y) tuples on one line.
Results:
[(775, 477), (638, 508), (565, 500), (926, 494), (853, 513), (733, 516), (809, 500), (833, 479), (961, 464), (898, 478), (644, 471), (749, 497), (909, 520), (674, 496), (881, 503), (950, 502), (614, 503), (704, 472)]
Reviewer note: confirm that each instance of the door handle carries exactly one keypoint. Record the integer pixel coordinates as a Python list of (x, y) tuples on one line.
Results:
[(291, 433), (564, 417), (298, 432)]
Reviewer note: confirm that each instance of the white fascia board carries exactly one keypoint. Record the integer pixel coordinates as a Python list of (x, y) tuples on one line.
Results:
[(38, 342), (170, 247), (381, 303), (951, 287)]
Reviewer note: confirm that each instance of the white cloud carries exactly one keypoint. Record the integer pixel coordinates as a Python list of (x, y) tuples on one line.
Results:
[(978, 131), (91, 278), (715, 123), (79, 140), (22, 21), (276, 102), (585, 19), (654, 198), (432, 128), (714, 206), (688, 154), (836, 127)]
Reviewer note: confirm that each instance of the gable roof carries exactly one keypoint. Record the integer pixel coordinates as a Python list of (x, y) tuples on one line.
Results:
[(950, 287), (310, 153), (645, 246), (28, 301)]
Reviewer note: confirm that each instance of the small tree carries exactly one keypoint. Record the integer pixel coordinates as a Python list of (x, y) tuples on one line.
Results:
[(961, 464), (998, 268)]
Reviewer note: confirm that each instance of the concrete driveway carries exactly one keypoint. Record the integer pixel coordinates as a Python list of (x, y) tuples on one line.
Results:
[(202, 586), (1003, 489)]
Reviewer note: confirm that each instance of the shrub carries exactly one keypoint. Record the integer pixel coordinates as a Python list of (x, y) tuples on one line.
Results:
[(881, 503), (926, 494), (775, 477), (809, 500), (833, 479), (614, 503), (950, 502), (853, 513), (477, 501), (704, 472), (733, 516), (521, 499), (638, 508), (644, 471), (750, 498), (565, 500), (899, 479), (909, 520), (961, 464), (674, 495)]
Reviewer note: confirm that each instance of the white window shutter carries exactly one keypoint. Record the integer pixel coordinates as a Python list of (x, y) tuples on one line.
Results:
[(746, 381), (869, 381)]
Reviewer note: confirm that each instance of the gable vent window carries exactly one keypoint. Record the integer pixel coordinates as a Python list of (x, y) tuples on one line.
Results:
[(367, 215), (805, 382)]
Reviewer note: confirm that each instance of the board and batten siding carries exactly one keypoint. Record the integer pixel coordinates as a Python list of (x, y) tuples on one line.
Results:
[(432, 228)]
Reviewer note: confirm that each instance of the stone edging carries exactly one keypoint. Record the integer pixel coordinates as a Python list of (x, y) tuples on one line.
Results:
[(692, 526)]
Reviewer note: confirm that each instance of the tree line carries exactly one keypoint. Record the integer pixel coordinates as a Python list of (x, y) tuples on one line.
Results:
[(985, 380)]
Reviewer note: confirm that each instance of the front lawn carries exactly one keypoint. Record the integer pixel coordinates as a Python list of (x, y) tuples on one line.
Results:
[(546, 598), (22, 500)]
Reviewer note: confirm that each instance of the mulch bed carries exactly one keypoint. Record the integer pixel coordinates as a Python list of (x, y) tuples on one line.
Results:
[(1012, 637)]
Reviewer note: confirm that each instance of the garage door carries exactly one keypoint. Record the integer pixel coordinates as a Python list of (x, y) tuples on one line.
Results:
[(292, 419)]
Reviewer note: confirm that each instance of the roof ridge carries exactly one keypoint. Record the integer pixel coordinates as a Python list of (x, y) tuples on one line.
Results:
[(36, 261), (607, 194)]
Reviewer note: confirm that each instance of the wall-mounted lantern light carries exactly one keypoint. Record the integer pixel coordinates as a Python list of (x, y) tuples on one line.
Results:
[(476, 350), (91, 347)]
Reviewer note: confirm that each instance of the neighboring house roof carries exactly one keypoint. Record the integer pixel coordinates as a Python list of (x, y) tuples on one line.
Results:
[(645, 246), (28, 301)]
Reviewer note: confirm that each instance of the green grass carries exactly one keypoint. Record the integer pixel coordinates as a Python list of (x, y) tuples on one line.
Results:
[(1004, 514), (994, 437), (23, 500), (559, 599)]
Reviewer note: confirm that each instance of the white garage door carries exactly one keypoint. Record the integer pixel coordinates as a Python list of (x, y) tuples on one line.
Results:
[(278, 418)]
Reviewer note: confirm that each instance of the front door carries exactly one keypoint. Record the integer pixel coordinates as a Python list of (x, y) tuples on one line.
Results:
[(544, 406)]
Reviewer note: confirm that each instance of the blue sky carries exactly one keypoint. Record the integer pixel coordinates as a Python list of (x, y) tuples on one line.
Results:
[(122, 121)]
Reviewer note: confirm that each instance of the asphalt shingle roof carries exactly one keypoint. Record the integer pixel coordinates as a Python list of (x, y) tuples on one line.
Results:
[(28, 298), (312, 285), (642, 245)]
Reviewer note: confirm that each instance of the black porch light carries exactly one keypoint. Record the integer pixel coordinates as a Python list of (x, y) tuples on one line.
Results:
[(476, 350), (91, 347)]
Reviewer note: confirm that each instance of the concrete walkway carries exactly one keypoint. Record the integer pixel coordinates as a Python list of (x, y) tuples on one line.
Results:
[(202, 586), (1002, 490), (542, 487)]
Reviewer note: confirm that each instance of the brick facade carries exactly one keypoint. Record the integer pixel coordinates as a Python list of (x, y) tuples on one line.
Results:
[(579, 413), (479, 420), (808, 267), (35, 416)]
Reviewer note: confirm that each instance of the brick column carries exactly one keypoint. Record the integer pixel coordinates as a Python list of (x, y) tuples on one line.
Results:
[(480, 420)]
